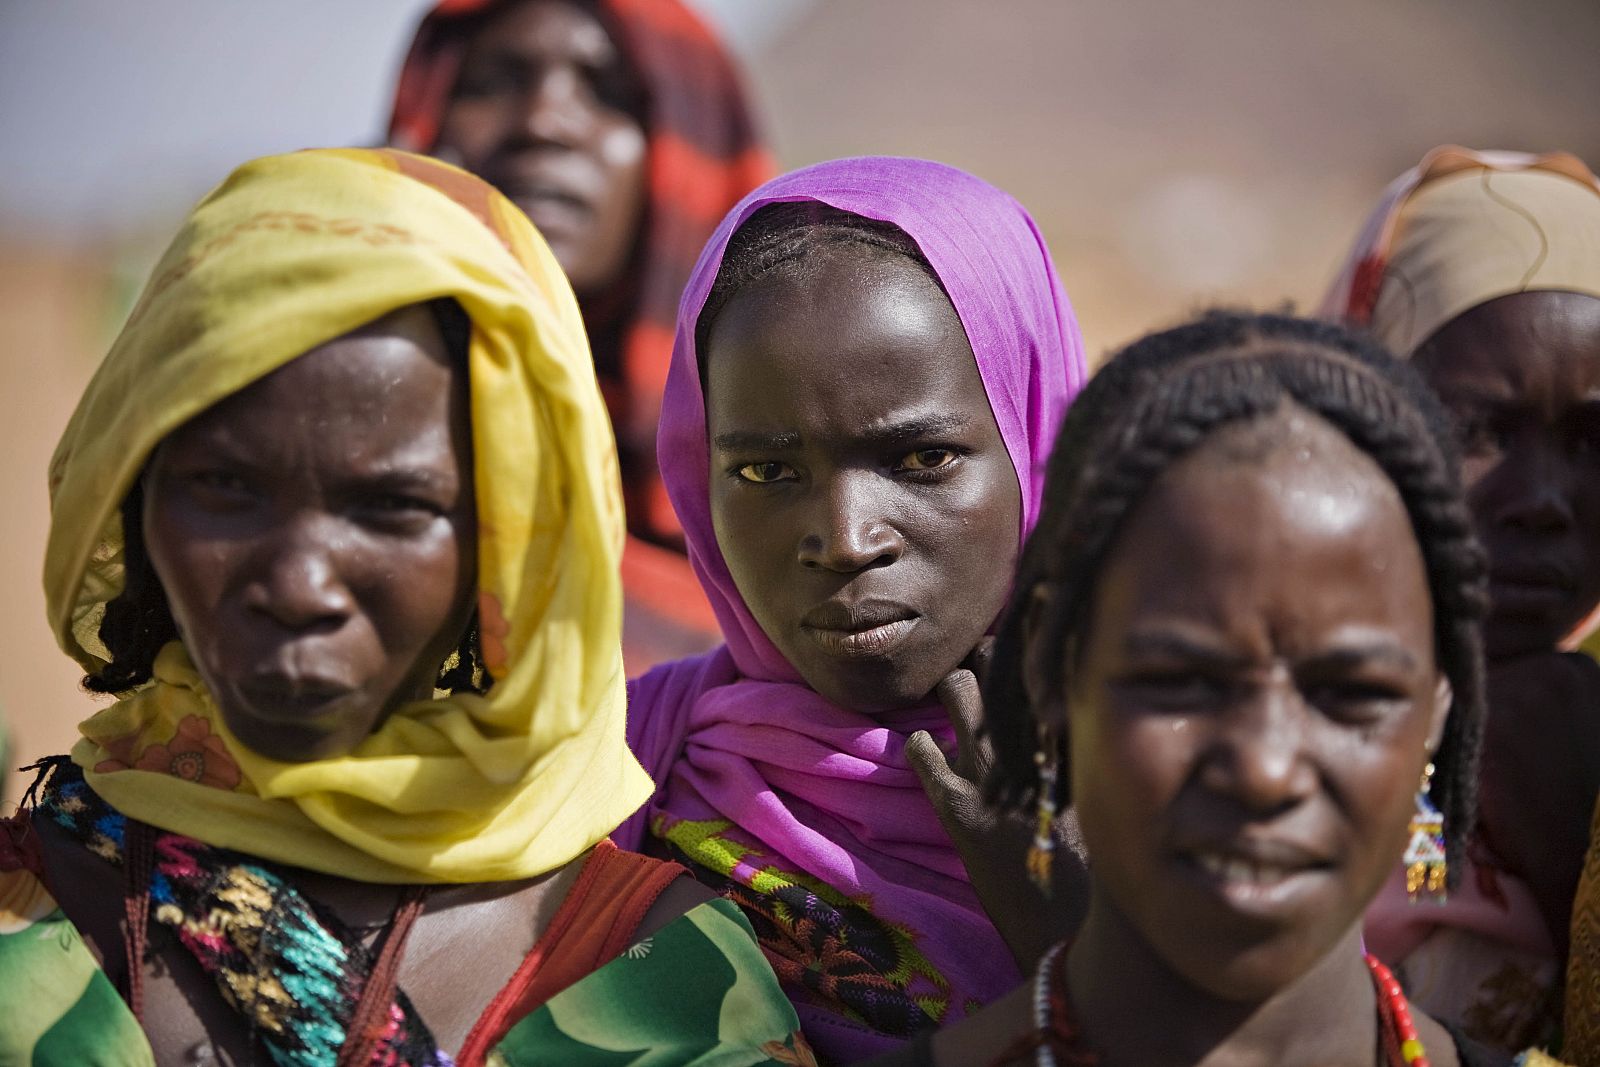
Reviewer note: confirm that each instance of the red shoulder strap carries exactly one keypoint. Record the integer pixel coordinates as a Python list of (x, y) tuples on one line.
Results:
[(594, 925)]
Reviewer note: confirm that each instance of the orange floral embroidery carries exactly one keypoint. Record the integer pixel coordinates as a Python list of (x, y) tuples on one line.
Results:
[(781, 1052), (122, 754), (492, 632), (194, 753)]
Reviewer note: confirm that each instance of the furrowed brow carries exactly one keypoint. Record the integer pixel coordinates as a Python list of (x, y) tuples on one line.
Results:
[(755, 441), (923, 426)]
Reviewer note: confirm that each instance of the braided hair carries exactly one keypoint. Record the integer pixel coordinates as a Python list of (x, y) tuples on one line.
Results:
[(138, 622), (781, 237), (1162, 397)]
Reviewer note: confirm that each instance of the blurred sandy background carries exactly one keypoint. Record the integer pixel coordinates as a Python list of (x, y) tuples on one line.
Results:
[(1175, 153)]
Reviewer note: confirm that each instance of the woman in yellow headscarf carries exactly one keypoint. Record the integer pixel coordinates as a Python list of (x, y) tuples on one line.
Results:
[(338, 523), (1483, 269)]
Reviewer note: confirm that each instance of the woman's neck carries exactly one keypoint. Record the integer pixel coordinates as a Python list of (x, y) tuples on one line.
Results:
[(1135, 1009)]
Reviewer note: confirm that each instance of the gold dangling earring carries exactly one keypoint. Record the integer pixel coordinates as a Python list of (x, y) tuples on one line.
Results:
[(1424, 859), (1041, 852)]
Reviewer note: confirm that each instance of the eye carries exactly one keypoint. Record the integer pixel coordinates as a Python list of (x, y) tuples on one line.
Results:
[(489, 78), (1355, 700), (766, 473), (218, 481), (1174, 690), (927, 459), (613, 86)]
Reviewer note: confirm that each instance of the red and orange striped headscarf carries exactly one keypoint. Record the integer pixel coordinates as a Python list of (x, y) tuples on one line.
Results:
[(704, 155)]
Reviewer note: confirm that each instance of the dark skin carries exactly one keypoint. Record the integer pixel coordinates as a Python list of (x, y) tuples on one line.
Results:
[(1521, 376), (1251, 707), (319, 526), (547, 110), (860, 489)]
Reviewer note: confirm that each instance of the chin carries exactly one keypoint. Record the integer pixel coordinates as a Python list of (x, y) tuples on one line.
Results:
[(1245, 976), (871, 692), (1510, 637)]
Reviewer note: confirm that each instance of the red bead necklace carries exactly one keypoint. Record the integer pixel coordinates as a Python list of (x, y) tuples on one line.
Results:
[(1058, 1042)]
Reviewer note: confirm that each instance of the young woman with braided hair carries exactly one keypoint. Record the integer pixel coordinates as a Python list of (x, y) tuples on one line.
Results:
[(1244, 631)]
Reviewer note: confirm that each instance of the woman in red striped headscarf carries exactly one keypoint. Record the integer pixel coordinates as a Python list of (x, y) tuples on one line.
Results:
[(622, 129)]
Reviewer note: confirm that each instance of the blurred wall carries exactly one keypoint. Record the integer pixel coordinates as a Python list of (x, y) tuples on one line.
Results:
[(1182, 152), (1175, 152)]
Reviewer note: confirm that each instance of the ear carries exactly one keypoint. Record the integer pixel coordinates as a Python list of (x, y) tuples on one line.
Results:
[(1443, 697)]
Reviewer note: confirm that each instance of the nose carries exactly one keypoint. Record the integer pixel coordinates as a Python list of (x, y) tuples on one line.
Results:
[(850, 530), (553, 108), (1535, 487), (296, 581), (1258, 758)]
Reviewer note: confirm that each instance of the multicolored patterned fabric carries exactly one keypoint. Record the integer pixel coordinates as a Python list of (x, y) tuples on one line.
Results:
[(819, 808), (295, 974), (697, 991)]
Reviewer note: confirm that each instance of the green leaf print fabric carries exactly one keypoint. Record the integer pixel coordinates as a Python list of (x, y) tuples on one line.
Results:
[(697, 993)]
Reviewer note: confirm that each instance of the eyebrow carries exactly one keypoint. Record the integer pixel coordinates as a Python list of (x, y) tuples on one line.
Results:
[(920, 427), (1347, 657), (1360, 655), (1177, 646), (755, 441)]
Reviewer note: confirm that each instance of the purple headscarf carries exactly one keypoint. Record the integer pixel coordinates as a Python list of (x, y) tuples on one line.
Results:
[(806, 813)]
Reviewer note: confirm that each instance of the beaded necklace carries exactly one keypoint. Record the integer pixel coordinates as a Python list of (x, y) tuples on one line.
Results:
[(1057, 1040)]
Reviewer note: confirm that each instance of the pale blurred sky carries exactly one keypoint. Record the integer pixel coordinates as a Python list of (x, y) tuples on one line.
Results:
[(115, 113)]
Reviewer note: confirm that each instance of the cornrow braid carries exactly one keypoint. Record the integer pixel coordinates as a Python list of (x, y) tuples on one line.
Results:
[(781, 237), (138, 622), (1159, 399)]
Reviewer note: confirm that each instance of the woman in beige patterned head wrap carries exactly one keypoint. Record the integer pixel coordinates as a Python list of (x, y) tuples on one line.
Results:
[(1484, 268)]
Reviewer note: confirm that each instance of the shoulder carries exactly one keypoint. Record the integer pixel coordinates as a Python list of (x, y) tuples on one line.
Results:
[(74, 1014), (681, 896)]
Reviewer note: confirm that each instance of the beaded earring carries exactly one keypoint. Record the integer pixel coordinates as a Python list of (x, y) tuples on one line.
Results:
[(1041, 852), (1424, 859)]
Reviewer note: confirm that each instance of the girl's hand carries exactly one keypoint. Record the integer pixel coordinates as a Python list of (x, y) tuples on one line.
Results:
[(994, 846)]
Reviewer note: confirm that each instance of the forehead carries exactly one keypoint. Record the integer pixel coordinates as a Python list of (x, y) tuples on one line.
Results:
[(545, 27), (848, 337), (387, 382), (1534, 345), (1279, 528)]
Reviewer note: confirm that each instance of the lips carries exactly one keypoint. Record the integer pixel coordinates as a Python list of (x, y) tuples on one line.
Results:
[(1530, 588), (1259, 878), (549, 196), (292, 697), (865, 629)]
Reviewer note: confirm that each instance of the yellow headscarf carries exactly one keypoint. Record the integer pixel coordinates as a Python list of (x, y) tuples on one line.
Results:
[(289, 253)]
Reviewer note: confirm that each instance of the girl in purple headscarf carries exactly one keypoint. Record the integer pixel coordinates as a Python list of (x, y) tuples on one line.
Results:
[(872, 358)]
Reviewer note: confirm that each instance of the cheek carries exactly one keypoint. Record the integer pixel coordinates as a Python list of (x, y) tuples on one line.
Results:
[(195, 572), (974, 535), (750, 537), (1125, 775), (415, 595), (470, 131), (620, 148)]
